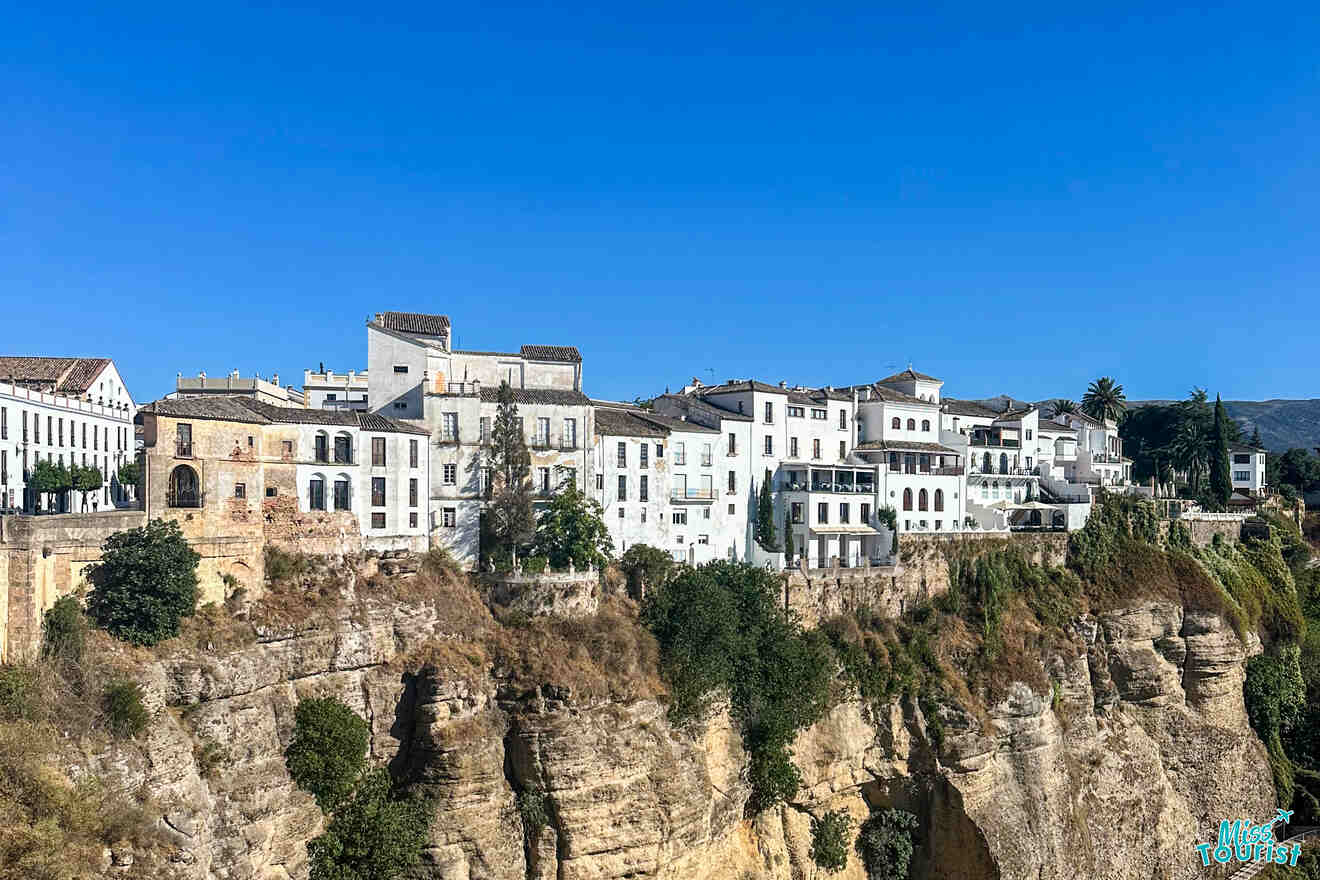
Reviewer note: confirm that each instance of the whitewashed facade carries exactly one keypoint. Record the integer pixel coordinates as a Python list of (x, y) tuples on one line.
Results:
[(326, 389)]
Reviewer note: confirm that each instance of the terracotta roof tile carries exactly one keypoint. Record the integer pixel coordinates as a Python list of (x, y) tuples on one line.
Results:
[(415, 323), (909, 375), (73, 375), (562, 354), (552, 396)]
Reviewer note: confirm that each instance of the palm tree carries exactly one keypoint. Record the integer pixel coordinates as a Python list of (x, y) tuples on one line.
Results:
[(1104, 400), (1189, 452), (1061, 405)]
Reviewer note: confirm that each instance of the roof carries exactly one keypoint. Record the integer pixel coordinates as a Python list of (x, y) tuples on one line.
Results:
[(692, 403), (909, 375), (672, 424), (374, 422), (415, 323), (504, 354), (295, 415), (219, 407), (1014, 415), (625, 423), (1244, 447), (904, 446), (530, 396), (968, 408), (1048, 427), (830, 394), (741, 385), (70, 375), (234, 408), (563, 354), (893, 395)]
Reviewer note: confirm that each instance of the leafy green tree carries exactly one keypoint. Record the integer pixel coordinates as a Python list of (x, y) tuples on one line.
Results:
[(145, 583), (511, 520), (829, 841), (573, 529), (765, 516), (86, 479), (885, 844), (328, 751), (64, 631), (648, 568), (1297, 468), (130, 474), (1221, 482), (374, 835), (49, 478), (1104, 399)]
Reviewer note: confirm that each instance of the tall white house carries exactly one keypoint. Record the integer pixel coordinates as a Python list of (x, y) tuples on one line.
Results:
[(1246, 467), (69, 411), (326, 389)]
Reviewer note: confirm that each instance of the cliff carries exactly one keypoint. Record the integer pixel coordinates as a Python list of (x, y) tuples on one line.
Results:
[(1135, 751)]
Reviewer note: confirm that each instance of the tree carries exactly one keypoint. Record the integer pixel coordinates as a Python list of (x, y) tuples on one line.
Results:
[(86, 479), (328, 750), (573, 530), (374, 835), (789, 549), (1061, 405), (145, 583), (648, 568), (1254, 442), (1297, 468), (829, 840), (885, 844), (1188, 453), (64, 631), (130, 474), (1104, 400), (49, 478), (509, 491), (765, 517), (1221, 481)]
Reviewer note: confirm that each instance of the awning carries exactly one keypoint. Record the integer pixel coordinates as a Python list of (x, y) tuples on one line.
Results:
[(844, 530)]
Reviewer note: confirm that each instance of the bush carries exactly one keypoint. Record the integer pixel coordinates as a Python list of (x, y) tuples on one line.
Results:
[(829, 841), (64, 631), (535, 565), (125, 715), (531, 806), (648, 568), (885, 844), (374, 835), (145, 583), (328, 750), (20, 693), (282, 566)]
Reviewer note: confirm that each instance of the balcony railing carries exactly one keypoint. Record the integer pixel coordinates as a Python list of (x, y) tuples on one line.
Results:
[(1005, 472), (692, 495), (1005, 443), (183, 449), (568, 445), (448, 437), (540, 443), (948, 471), (183, 499)]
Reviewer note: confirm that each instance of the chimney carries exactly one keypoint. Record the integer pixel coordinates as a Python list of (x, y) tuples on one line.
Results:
[(275, 378), (322, 366), (233, 374), (783, 384)]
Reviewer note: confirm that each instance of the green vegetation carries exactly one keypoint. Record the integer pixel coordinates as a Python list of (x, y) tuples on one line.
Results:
[(722, 631), (49, 479), (765, 516), (1297, 471), (1181, 439), (125, 715), (84, 480), (829, 841), (145, 583), (129, 473), (789, 549), (572, 529), (647, 568), (64, 631), (282, 566), (532, 808), (20, 693), (1104, 399), (328, 750), (511, 521), (885, 844), (1221, 482), (376, 834)]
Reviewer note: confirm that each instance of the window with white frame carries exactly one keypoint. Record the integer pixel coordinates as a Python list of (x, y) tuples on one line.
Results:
[(449, 474), (449, 517), (680, 517)]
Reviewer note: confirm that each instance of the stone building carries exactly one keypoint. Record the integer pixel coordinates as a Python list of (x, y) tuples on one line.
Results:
[(239, 472), (69, 411), (233, 385)]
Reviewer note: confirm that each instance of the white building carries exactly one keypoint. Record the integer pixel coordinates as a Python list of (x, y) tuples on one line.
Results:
[(69, 411), (1247, 468), (326, 389), (234, 385)]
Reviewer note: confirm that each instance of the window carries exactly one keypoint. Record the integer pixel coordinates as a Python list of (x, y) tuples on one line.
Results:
[(322, 446), (796, 412), (1241, 459), (623, 454), (659, 451), (401, 368), (378, 520), (1028, 433), (733, 444), (912, 424), (925, 424), (448, 427), (316, 494), (703, 539), (412, 520), (844, 513), (448, 517), (815, 448), (795, 512), (412, 453), (642, 488), (341, 494), (343, 449), (939, 500), (485, 429), (182, 440), (923, 500), (792, 447), (895, 423), (985, 491), (622, 492), (843, 420), (822, 513), (865, 514), (377, 491), (769, 445), (36, 429), (96, 438), (240, 490), (705, 455), (331, 397), (644, 460), (731, 509), (569, 438), (907, 499), (399, 404), (543, 475), (621, 513), (542, 437), (769, 413), (1242, 476), (820, 415), (272, 492), (680, 517), (286, 448), (412, 492), (4, 424), (25, 428), (843, 449), (643, 514), (449, 474), (378, 451), (600, 482), (733, 482)]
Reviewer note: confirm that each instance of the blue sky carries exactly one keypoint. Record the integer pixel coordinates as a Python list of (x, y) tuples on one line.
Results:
[(1015, 199)]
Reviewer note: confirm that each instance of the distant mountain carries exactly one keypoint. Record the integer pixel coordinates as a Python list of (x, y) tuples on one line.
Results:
[(1283, 424)]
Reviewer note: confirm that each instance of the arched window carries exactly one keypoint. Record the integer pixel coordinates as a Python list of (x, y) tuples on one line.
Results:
[(925, 424), (895, 424), (316, 493), (939, 500), (343, 500), (912, 424), (1003, 462), (183, 489), (321, 448), (343, 448), (907, 499), (987, 466), (923, 500)]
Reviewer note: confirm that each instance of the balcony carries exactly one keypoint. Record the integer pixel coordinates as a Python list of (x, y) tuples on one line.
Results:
[(448, 438), (996, 443), (569, 445), (947, 471), (183, 499), (692, 495), (1005, 472), (183, 449)]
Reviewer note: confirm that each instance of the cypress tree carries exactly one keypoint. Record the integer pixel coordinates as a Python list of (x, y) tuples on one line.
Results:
[(1221, 483), (509, 490), (765, 516), (788, 540)]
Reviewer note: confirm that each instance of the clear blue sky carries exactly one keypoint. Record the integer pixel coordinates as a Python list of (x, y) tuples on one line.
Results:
[(1016, 198)]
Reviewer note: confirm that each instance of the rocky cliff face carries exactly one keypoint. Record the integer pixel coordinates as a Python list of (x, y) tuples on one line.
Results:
[(1140, 750)]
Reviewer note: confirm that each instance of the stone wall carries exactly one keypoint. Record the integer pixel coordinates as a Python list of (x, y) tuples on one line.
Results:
[(318, 532), (1203, 531), (922, 572), (559, 593)]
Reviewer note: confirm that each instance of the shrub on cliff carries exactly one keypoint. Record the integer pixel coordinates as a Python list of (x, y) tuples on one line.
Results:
[(125, 715), (64, 631), (374, 835), (145, 583), (885, 844), (648, 568), (328, 750), (829, 841)]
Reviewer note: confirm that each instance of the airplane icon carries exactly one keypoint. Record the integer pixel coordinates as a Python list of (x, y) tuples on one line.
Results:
[(1282, 817)]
